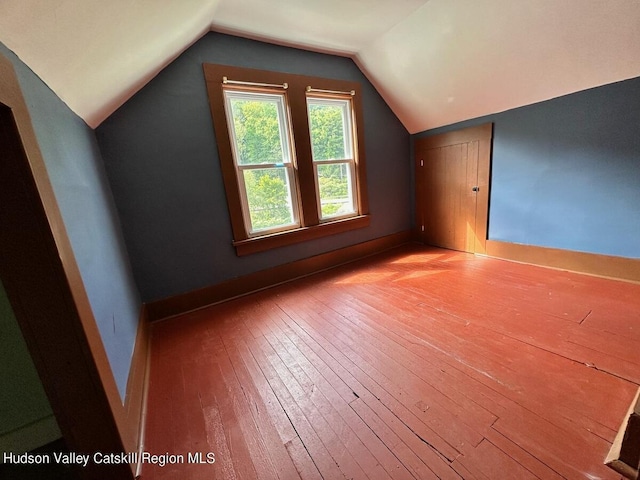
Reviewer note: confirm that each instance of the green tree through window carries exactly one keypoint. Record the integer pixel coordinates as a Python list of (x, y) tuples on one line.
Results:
[(327, 132), (268, 198), (257, 132), (258, 141)]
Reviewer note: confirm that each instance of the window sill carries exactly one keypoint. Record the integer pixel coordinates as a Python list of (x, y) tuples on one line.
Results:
[(290, 237)]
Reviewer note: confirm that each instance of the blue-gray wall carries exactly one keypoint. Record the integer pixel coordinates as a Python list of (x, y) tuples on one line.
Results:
[(162, 161), (566, 172), (76, 171)]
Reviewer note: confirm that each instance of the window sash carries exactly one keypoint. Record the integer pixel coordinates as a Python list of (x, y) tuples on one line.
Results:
[(352, 198), (286, 148), (284, 129), (348, 137), (346, 113), (292, 202)]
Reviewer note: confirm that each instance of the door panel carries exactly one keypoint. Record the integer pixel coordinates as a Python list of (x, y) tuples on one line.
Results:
[(452, 178)]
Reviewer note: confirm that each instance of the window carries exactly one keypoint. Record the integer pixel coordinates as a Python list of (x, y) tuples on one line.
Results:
[(291, 152), (259, 134), (331, 130)]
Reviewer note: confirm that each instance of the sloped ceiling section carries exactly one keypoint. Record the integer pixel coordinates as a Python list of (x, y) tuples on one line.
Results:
[(458, 59), (96, 54), (434, 61), (337, 26)]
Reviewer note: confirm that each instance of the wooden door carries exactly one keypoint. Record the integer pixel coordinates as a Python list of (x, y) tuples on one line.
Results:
[(452, 188)]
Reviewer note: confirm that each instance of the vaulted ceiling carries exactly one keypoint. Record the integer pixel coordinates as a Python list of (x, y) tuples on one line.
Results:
[(434, 61)]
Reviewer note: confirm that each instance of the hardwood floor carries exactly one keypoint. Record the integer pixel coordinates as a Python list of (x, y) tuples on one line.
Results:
[(416, 363)]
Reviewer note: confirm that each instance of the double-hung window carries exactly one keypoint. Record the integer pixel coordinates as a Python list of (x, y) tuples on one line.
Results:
[(259, 133), (330, 125), (292, 155)]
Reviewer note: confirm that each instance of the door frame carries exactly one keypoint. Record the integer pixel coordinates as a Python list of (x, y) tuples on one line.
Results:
[(46, 292), (483, 134)]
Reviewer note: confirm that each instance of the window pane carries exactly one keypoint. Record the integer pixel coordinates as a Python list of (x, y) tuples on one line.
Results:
[(259, 131), (336, 193), (330, 127), (269, 198)]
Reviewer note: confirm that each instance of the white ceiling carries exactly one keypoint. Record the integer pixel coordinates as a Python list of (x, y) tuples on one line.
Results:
[(434, 61)]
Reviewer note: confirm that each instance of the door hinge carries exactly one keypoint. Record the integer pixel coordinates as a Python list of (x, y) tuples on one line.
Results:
[(422, 163), (422, 228)]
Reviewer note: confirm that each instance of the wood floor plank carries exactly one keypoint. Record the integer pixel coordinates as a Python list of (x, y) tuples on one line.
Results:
[(221, 400), (564, 401), (489, 460), (461, 306), (417, 363), (404, 423), (385, 340), (426, 402), (304, 428), (302, 460), (338, 445), (419, 396), (321, 394), (194, 424), (369, 450), (420, 437), (275, 453), (401, 449), (159, 435), (568, 453), (359, 370), (224, 466), (614, 318), (354, 389), (495, 347), (467, 474), (300, 457), (274, 409), (524, 458)]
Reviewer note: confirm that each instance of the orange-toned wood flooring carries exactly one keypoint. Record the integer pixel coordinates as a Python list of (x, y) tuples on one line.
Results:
[(416, 363)]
